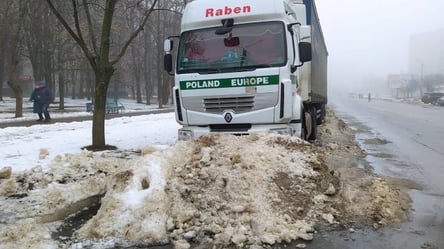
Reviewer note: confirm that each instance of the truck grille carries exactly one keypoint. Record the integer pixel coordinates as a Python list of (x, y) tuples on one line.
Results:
[(237, 104)]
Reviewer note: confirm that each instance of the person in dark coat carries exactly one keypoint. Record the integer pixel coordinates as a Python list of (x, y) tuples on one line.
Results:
[(41, 96)]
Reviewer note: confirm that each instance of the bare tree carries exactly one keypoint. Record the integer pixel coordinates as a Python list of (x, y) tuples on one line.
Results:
[(169, 18), (15, 49), (136, 66), (4, 30), (148, 66), (95, 41), (40, 40)]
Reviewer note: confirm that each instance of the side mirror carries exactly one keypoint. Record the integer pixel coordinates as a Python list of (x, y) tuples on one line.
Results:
[(168, 63), (304, 55), (304, 51), (168, 45)]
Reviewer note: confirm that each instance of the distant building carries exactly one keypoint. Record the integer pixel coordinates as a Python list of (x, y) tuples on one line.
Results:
[(402, 85), (426, 53)]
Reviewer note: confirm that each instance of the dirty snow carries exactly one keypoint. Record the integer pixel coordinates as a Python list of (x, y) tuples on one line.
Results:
[(220, 191)]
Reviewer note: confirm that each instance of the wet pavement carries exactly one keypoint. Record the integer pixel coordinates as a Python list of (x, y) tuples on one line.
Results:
[(394, 150)]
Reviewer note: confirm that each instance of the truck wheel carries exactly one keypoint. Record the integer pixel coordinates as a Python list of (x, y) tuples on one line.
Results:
[(321, 117), (306, 126), (313, 133), (308, 131)]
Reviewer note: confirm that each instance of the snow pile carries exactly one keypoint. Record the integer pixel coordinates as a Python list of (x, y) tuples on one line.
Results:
[(226, 190), (27, 233), (388, 204), (136, 206), (363, 197), (216, 191), (35, 201), (220, 189), (68, 181)]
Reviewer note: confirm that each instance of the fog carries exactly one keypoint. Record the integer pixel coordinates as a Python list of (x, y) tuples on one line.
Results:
[(367, 40)]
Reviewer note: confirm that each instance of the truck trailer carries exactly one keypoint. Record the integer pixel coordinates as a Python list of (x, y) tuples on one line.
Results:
[(251, 66)]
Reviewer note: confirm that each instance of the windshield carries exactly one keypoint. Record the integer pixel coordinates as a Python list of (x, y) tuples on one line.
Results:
[(245, 47)]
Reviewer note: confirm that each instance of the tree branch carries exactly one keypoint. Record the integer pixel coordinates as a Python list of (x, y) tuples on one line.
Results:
[(106, 30), (90, 26), (76, 37), (134, 35), (77, 25)]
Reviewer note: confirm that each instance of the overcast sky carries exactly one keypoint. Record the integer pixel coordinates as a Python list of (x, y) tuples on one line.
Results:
[(370, 38)]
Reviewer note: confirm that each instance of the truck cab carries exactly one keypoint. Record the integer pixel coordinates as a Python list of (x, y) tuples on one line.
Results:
[(236, 69)]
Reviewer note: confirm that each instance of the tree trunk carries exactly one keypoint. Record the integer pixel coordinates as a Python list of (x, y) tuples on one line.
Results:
[(18, 92), (91, 86), (13, 73), (147, 69), (158, 73), (103, 78), (2, 67), (16, 88), (73, 85), (2, 56), (138, 90), (81, 86), (98, 133), (148, 92), (62, 91), (133, 92)]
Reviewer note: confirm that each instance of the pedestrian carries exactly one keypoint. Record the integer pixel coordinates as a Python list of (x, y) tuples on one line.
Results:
[(369, 97), (41, 96)]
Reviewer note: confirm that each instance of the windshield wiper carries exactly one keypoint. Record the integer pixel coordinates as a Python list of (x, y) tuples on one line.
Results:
[(228, 69), (224, 70), (208, 70), (200, 70), (243, 69), (261, 65)]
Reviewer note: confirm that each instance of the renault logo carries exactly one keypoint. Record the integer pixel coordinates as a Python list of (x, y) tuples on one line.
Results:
[(228, 117)]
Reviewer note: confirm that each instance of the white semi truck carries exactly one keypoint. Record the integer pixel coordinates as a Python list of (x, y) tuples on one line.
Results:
[(249, 66)]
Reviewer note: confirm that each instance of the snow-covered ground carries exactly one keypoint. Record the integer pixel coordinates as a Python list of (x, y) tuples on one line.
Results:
[(22, 146), (246, 192)]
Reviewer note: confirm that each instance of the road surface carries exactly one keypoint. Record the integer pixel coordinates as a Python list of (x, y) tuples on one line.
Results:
[(405, 141), (415, 133)]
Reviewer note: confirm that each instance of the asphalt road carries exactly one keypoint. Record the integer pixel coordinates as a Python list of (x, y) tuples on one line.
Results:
[(415, 133), (411, 138)]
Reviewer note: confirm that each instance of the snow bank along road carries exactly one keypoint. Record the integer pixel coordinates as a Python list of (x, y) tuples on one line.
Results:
[(216, 191)]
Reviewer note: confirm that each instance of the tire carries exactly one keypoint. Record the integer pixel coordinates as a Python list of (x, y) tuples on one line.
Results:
[(304, 131), (314, 133), (309, 131), (322, 115)]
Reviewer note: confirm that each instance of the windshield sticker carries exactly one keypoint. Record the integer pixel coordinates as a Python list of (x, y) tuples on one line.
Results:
[(230, 82)]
